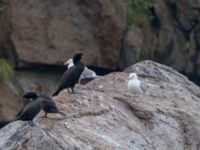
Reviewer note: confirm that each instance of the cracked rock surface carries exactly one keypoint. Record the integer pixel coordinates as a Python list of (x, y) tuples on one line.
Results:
[(104, 115)]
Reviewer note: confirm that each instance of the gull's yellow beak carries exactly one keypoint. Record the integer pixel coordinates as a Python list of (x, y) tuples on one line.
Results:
[(66, 63)]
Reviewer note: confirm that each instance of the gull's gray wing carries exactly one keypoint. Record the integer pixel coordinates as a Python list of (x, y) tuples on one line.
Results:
[(87, 73), (143, 86)]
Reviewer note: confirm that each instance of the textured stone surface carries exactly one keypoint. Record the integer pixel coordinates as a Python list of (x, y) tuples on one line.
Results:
[(5, 24), (103, 115), (52, 31), (171, 37), (10, 101), (39, 81)]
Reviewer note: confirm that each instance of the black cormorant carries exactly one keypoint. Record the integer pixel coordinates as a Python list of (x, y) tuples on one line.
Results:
[(28, 112), (32, 108), (71, 75), (49, 106)]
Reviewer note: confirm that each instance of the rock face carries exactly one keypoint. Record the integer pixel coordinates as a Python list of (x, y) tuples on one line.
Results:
[(5, 25), (113, 34), (170, 36), (52, 31), (10, 102), (103, 115), (39, 81)]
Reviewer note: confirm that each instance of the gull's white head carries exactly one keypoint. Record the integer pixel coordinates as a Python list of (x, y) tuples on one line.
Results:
[(69, 63), (132, 76)]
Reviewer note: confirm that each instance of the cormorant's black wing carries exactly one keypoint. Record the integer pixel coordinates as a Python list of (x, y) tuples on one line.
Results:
[(16, 117), (27, 101), (30, 110), (70, 77), (48, 105), (18, 114)]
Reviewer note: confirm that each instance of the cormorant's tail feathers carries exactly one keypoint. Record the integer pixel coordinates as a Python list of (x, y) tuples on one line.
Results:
[(57, 92)]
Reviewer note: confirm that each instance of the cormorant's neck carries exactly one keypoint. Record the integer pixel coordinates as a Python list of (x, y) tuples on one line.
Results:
[(76, 62)]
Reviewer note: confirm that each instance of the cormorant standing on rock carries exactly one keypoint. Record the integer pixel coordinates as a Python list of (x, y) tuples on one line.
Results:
[(49, 106), (71, 75), (32, 108), (28, 112)]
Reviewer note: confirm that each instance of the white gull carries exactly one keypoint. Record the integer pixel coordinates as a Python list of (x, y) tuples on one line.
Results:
[(134, 84)]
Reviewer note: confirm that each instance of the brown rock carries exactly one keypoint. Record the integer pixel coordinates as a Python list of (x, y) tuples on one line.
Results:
[(170, 37), (52, 31), (103, 115), (138, 45), (10, 103), (5, 24), (39, 81)]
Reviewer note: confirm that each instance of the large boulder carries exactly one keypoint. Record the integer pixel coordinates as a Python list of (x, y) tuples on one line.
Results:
[(52, 31), (104, 115)]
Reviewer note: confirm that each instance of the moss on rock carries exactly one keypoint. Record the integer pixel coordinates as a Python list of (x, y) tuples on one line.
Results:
[(6, 71)]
